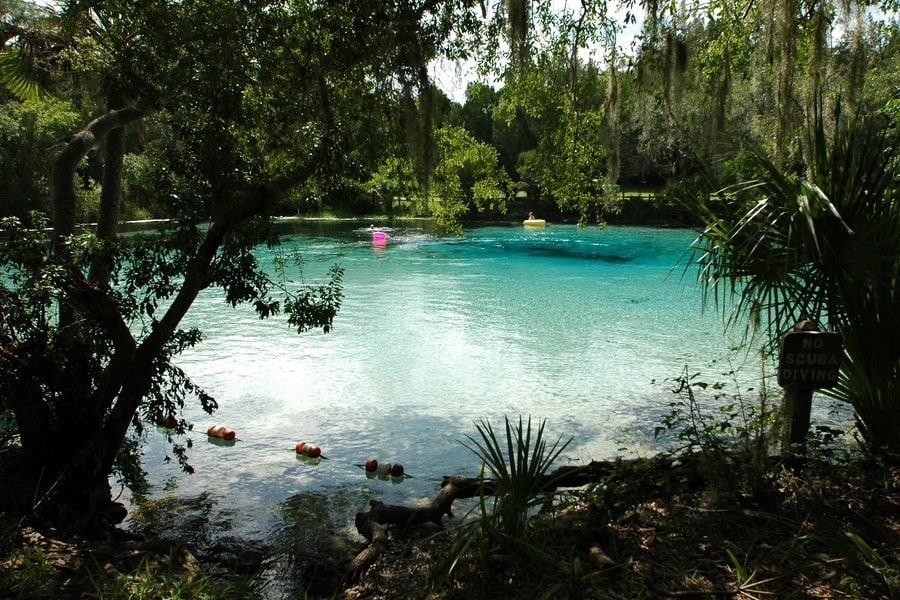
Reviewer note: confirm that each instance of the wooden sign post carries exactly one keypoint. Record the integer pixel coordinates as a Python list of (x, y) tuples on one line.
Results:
[(810, 359)]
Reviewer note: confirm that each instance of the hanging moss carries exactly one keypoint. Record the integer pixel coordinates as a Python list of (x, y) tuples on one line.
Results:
[(722, 93), (815, 74), (787, 32), (681, 56), (667, 71), (612, 118), (856, 70), (517, 17), (673, 68)]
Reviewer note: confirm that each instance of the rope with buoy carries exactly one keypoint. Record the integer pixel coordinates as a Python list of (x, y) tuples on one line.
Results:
[(310, 453)]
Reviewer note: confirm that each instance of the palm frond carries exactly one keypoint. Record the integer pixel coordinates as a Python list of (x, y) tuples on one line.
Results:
[(825, 247), (18, 76), (517, 465)]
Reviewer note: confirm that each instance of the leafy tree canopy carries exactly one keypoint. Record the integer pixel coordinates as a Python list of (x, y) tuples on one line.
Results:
[(245, 102)]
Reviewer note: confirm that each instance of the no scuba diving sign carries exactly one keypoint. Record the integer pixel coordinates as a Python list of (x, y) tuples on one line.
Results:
[(809, 359)]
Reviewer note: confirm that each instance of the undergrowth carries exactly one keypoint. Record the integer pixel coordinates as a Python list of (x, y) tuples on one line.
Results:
[(719, 512)]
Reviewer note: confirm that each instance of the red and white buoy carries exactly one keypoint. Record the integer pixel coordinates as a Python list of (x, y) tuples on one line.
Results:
[(310, 450), (221, 433), (383, 470)]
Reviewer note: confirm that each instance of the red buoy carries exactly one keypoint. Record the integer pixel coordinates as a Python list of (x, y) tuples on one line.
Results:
[(221, 432), (310, 450)]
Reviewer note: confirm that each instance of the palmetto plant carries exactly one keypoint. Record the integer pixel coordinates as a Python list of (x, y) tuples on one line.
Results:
[(518, 467), (515, 469), (822, 246)]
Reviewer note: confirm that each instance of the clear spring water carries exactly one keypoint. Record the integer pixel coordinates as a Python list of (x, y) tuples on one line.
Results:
[(563, 324)]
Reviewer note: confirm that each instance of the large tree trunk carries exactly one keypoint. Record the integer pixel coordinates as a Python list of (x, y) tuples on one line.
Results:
[(72, 438), (110, 200), (60, 424)]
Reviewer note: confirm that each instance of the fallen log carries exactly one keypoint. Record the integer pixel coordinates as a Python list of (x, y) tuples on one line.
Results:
[(371, 524)]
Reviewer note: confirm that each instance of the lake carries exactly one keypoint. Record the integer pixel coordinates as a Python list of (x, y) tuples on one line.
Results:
[(578, 327)]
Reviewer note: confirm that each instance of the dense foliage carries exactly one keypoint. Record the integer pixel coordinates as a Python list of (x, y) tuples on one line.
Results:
[(221, 127), (586, 109), (822, 247)]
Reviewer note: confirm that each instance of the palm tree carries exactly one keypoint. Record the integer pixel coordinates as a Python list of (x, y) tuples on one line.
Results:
[(825, 247), (28, 44)]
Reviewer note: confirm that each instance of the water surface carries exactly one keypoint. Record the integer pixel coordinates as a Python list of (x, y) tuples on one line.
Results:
[(565, 324)]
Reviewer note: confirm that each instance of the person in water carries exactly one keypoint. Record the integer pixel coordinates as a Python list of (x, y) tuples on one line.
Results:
[(531, 216)]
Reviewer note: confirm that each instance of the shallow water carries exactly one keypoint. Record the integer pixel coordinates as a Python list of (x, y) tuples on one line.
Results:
[(559, 323)]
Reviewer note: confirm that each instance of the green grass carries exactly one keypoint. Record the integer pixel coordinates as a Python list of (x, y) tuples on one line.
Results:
[(26, 573)]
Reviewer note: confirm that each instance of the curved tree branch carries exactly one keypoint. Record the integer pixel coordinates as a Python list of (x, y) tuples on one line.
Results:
[(134, 383), (63, 177)]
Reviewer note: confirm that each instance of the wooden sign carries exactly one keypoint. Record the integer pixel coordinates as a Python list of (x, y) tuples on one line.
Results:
[(809, 359)]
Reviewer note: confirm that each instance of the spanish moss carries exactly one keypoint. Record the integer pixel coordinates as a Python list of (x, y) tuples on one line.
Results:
[(517, 18)]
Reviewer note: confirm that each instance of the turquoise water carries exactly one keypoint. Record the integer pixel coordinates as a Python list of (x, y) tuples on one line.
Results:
[(564, 324)]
